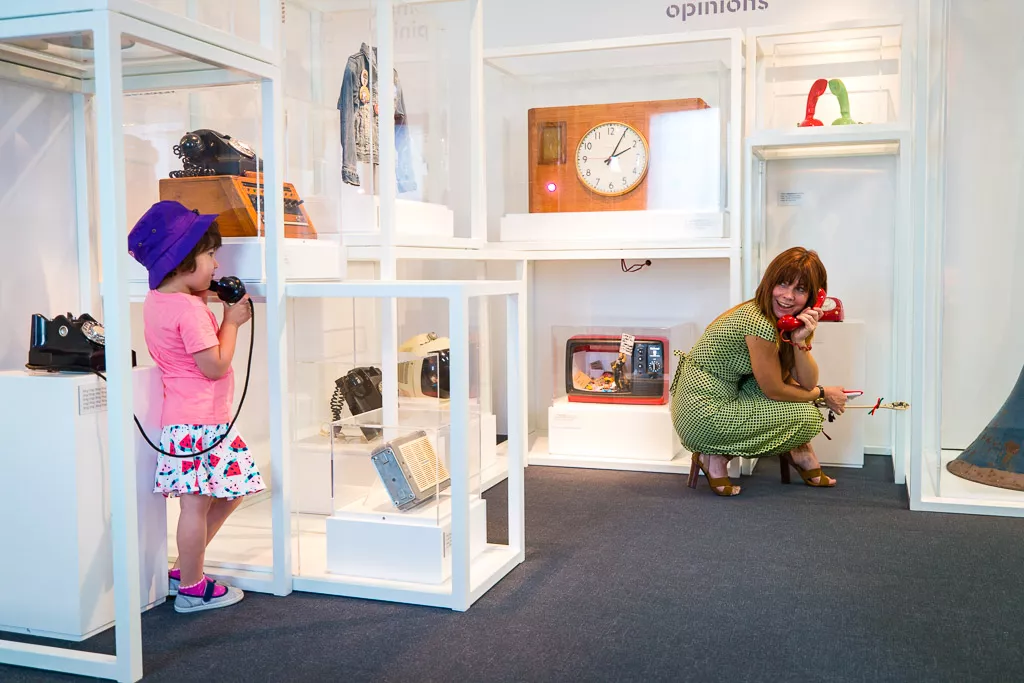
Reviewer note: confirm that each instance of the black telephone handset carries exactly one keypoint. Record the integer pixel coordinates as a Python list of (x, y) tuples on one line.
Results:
[(229, 288), (206, 152)]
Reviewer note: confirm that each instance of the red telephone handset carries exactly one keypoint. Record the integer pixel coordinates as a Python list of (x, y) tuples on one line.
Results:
[(789, 323)]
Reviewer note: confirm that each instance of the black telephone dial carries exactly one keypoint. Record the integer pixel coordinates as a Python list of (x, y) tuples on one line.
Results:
[(206, 152)]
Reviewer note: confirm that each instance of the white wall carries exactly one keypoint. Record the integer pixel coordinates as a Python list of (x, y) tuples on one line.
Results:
[(522, 22), (982, 353), (39, 259), (847, 215)]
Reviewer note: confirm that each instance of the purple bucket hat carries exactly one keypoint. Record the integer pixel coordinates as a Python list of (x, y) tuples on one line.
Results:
[(164, 236)]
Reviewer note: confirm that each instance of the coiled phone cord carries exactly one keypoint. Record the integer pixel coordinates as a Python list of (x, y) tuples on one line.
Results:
[(245, 389)]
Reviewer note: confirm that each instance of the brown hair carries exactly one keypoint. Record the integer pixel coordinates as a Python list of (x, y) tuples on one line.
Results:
[(210, 240), (795, 265)]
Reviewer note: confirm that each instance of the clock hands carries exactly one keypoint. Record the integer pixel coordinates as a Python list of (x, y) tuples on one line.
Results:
[(608, 161)]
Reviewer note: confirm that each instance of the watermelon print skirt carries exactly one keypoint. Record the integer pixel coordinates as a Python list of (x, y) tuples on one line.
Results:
[(227, 471)]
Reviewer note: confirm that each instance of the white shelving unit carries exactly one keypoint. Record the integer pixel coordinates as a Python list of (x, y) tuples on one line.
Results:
[(875, 58), (174, 52), (546, 240)]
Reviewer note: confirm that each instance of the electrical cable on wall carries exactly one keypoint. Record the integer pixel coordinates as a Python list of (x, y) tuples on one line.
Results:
[(634, 267)]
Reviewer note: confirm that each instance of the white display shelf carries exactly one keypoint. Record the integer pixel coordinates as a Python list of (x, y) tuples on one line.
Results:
[(829, 141), (50, 14), (587, 251), (563, 230), (465, 250), (540, 455), (388, 289), (956, 495)]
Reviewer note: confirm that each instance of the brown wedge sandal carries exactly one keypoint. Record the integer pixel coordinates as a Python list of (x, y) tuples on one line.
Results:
[(696, 467), (786, 461)]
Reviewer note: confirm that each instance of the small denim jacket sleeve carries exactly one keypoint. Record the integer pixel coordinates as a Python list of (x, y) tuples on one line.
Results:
[(347, 107), (406, 177)]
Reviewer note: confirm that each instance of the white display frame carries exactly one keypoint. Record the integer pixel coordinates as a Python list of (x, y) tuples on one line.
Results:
[(896, 140), (929, 312), (108, 20), (458, 593), (608, 239), (724, 248), (392, 213)]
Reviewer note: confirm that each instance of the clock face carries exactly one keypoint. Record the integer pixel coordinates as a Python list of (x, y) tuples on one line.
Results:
[(611, 159)]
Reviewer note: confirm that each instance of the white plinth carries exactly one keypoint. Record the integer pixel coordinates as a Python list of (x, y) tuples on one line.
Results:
[(840, 351), (622, 229), (610, 430), (415, 221), (57, 568), (371, 539), (243, 257)]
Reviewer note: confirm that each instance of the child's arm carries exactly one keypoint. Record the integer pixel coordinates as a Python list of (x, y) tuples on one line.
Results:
[(214, 362)]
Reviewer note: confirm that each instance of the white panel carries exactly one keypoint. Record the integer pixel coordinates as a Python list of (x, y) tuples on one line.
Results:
[(846, 214), (588, 293), (39, 261), (540, 21), (983, 316)]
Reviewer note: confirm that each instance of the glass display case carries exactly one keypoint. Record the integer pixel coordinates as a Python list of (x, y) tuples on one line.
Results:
[(968, 393), (827, 77), (581, 137), (840, 189), (610, 400), (414, 174), (390, 465), (119, 86)]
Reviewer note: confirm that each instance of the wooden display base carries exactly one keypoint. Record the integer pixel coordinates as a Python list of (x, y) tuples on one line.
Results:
[(234, 199)]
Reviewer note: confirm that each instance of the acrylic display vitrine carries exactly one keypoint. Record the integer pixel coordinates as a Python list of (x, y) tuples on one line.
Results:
[(393, 449), (341, 59), (108, 57), (609, 404), (614, 143)]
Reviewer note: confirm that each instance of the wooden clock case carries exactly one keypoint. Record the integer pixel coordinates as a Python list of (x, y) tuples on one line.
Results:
[(554, 133)]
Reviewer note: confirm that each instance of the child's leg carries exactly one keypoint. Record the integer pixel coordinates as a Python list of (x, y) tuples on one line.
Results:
[(220, 510), (192, 537)]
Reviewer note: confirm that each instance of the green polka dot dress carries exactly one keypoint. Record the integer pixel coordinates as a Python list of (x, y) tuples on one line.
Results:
[(718, 407)]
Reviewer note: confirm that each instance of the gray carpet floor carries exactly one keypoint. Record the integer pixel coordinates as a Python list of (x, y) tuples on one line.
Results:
[(633, 577)]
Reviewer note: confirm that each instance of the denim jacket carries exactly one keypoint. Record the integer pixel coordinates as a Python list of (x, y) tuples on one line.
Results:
[(359, 121)]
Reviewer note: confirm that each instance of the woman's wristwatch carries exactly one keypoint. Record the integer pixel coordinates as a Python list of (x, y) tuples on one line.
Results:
[(821, 393)]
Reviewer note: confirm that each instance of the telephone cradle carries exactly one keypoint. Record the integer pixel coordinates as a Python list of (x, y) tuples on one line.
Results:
[(67, 344)]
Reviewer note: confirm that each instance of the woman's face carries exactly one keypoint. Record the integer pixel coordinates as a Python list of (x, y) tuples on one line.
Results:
[(789, 298)]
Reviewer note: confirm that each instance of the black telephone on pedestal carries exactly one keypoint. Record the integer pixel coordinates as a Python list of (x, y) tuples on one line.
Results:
[(206, 152), (67, 344)]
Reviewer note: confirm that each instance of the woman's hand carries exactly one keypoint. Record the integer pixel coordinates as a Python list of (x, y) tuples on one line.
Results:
[(809, 317), (238, 313), (835, 399)]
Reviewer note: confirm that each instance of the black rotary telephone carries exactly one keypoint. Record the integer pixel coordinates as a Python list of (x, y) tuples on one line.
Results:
[(360, 388), (67, 344), (70, 344), (206, 152)]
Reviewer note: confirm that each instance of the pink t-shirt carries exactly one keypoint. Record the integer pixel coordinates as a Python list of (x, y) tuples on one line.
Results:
[(178, 325)]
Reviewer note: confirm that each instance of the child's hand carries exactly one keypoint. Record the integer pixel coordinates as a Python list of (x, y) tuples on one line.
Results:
[(239, 313)]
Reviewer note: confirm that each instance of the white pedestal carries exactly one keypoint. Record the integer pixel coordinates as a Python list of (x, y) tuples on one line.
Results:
[(609, 430), (840, 351), (417, 220), (618, 228), (57, 568), (243, 257), (371, 539), (313, 469)]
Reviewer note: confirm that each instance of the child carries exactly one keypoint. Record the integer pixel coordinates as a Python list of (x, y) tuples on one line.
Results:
[(177, 247)]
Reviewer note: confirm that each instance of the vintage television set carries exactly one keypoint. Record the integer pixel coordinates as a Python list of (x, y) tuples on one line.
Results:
[(616, 369)]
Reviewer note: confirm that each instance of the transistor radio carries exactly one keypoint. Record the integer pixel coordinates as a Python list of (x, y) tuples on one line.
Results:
[(596, 371), (410, 470)]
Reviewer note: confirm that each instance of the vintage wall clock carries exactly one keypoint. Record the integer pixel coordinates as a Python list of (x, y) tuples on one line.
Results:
[(595, 157), (612, 159)]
